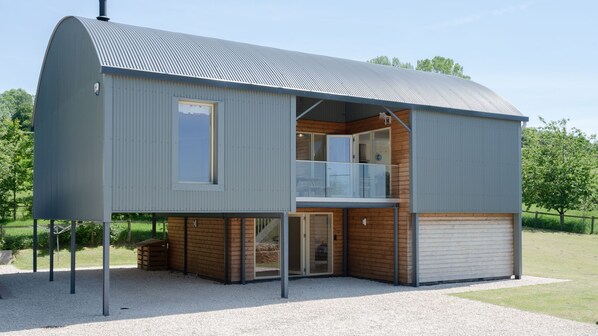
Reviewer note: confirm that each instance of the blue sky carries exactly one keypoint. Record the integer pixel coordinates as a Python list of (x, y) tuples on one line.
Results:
[(542, 56)]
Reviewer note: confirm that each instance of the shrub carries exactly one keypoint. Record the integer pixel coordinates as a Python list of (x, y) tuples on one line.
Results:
[(552, 223), (1, 243)]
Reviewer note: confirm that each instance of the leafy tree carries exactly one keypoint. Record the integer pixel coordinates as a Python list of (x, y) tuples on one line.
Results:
[(558, 168), (437, 64), (395, 62), (441, 65), (17, 104), (17, 157)]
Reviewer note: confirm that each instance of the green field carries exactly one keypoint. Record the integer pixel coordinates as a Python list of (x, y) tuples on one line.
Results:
[(122, 251), (86, 257), (554, 255)]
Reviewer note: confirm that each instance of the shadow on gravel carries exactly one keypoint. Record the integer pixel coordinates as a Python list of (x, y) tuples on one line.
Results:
[(34, 302)]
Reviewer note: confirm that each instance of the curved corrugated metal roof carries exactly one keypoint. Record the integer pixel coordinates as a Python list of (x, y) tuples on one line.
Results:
[(130, 49)]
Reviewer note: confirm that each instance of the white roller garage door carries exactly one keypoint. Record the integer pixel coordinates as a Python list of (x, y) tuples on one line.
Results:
[(460, 247)]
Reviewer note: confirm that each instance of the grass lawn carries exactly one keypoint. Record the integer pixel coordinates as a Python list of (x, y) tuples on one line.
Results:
[(86, 257), (554, 255)]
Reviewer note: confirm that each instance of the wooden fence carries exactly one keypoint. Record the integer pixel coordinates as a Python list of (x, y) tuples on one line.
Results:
[(592, 219)]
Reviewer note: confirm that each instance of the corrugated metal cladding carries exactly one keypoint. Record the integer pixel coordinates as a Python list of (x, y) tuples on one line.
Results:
[(69, 126), (127, 47), (465, 164), (257, 165)]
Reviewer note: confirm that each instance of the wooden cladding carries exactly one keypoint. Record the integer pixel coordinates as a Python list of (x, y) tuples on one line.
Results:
[(205, 251), (371, 248)]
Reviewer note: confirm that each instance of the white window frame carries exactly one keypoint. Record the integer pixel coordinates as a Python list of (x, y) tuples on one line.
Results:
[(217, 153)]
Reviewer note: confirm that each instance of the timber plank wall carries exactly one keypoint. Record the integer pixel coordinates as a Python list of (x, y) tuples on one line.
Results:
[(371, 249), (205, 252)]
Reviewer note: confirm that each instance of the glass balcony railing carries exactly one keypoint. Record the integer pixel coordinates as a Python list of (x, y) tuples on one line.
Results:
[(346, 180)]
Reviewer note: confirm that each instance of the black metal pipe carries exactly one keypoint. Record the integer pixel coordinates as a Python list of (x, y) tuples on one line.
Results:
[(103, 16)]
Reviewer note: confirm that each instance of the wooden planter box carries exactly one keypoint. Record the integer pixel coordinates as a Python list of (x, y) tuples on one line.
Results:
[(152, 255)]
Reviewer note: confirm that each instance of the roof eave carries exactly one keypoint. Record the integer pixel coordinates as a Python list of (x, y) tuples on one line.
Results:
[(304, 93)]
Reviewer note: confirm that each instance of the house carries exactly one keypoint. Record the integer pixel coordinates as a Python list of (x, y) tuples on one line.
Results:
[(272, 164)]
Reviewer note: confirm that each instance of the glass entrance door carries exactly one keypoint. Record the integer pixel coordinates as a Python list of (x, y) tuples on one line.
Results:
[(310, 244), (338, 167), (320, 244)]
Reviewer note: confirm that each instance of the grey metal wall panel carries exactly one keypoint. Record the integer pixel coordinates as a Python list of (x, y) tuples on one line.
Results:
[(465, 164), (257, 143), (125, 47), (68, 121)]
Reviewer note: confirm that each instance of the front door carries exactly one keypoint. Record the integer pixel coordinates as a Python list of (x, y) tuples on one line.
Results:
[(310, 244)]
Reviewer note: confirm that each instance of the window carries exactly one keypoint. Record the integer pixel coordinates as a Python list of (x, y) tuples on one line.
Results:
[(195, 144), (311, 146)]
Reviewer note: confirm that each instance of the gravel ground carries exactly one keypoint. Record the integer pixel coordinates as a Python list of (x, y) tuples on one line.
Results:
[(158, 303)]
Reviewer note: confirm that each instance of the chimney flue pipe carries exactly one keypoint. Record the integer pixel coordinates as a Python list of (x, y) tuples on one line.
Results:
[(103, 16)]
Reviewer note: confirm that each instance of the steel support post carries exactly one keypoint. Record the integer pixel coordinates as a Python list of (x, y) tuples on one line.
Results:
[(106, 269), (35, 245), (415, 247), (154, 225), (73, 252), (396, 246), (345, 242), (243, 250), (284, 255), (226, 250), (517, 246), (185, 240), (51, 250)]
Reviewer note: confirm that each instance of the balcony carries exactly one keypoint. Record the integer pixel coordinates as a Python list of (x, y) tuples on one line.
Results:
[(323, 180)]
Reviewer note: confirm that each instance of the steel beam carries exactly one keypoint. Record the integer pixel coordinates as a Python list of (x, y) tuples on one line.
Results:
[(415, 247), (396, 246), (73, 252), (243, 250), (392, 114), (345, 242), (51, 250), (226, 248), (106, 269), (35, 245), (284, 255), (185, 247), (517, 247), (309, 109)]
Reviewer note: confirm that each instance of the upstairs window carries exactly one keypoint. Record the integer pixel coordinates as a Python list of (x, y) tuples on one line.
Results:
[(196, 142), (197, 137)]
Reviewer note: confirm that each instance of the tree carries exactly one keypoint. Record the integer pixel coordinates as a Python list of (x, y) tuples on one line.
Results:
[(558, 167), (17, 157), (395, 62), (437, 64), (441, 65), (17, 104)]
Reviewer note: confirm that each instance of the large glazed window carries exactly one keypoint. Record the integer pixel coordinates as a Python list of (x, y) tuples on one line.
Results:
[(196, 141)]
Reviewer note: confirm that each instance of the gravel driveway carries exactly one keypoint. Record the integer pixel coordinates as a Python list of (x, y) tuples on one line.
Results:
[(158, 303)]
